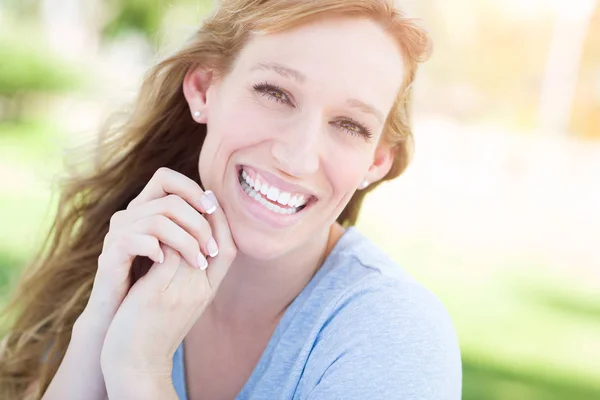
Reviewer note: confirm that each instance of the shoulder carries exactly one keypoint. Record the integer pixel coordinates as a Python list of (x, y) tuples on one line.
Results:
[(383, 315), (391, 328), (369, 279)]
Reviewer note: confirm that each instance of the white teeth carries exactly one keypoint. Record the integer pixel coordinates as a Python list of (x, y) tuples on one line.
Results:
[(273, 194), (270, 206), (284, 198), (257, 185), (300, 201), (257, 188)]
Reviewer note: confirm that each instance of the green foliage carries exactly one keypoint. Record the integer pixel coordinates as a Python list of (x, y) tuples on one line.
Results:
[(135, 15), (24, 68)]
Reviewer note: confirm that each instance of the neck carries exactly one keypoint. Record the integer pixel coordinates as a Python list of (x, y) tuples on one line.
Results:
[(256, 293)]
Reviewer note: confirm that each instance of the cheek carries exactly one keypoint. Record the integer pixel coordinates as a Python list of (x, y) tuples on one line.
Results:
[(233, 127), (345, 169), (243, 123)]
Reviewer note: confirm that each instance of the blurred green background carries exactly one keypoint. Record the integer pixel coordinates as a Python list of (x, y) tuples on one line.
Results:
[(499, 213)]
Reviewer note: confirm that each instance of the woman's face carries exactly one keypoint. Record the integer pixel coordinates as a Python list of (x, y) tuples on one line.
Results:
[(294, 128)]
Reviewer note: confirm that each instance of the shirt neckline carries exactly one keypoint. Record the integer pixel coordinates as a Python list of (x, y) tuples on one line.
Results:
[(343, 242)]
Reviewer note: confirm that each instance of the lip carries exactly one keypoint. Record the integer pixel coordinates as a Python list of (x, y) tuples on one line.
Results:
[(260, 213), (279, 183)]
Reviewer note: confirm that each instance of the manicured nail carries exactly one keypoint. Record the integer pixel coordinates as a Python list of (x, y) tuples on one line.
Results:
[(209, 202), (161, 257), (212, 248), (202, 263)]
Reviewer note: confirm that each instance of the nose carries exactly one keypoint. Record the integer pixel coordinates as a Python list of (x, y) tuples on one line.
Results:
[(296, 148)]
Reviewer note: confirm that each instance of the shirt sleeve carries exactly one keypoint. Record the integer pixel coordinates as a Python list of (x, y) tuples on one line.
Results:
[(395, 342)]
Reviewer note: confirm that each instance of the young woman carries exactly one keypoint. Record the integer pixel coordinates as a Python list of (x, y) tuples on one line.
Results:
[(211, 255)]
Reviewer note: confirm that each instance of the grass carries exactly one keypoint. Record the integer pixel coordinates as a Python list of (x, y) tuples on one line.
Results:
[(523, 333)]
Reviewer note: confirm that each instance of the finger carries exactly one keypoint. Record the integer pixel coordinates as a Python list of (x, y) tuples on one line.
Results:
[(114, 263), (179, 211), (219, 265), (129, 246), (165, 181), (182, 281), (160, 276), (174, 236)]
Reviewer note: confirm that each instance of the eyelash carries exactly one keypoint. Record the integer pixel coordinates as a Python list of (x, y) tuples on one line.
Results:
[(280, 96)]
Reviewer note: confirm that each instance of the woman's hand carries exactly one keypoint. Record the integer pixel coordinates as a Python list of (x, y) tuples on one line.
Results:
[(172, 220), (168, 210), (153, 320)]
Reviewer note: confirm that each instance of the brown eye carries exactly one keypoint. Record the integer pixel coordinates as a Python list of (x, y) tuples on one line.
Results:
[(277, 94), (351, 127), (354, 128), (273, 92)]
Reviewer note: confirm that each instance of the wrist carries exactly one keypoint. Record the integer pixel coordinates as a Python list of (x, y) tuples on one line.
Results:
[(88, 324), (140, 387)]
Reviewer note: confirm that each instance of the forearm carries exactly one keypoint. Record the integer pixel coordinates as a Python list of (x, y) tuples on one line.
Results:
[(79, 375)]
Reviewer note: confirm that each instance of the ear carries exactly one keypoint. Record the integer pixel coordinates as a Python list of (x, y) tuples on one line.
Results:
[(196, 85), (382, 162)]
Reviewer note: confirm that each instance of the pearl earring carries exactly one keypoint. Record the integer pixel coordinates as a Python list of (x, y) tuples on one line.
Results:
[(197, 114), (363, 185)]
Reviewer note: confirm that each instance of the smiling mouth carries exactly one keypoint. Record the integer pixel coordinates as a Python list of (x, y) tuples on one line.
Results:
[(272, 198)]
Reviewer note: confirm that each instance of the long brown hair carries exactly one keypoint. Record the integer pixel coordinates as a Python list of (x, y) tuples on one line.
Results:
[(158, 131)]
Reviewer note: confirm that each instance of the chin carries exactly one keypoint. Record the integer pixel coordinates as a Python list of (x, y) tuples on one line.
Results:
[(258, 245)]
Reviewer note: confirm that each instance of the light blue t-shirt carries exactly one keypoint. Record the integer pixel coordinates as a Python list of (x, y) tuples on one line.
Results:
[(361, 329)]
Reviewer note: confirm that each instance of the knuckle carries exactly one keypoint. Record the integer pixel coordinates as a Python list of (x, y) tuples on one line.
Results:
[(131, 204), (115, 219), (161, 173), (157, 223), (101, 258)]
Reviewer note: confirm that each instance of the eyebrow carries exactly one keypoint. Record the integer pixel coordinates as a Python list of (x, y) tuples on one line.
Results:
[(288, 72), (366, 108), (282, 70)]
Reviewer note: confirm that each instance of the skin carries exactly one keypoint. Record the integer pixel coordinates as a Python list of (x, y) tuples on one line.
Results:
[(302, 131), (303, 143)]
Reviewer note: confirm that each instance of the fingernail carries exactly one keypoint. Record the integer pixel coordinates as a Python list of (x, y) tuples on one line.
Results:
[(209, 202), (202, 263), (212, 248), (161, 257)]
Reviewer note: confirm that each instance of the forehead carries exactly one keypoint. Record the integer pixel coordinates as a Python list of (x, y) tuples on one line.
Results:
[(350, 56)]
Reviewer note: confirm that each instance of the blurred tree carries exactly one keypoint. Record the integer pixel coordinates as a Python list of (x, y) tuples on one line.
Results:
[(134, 15), (25, 70)]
